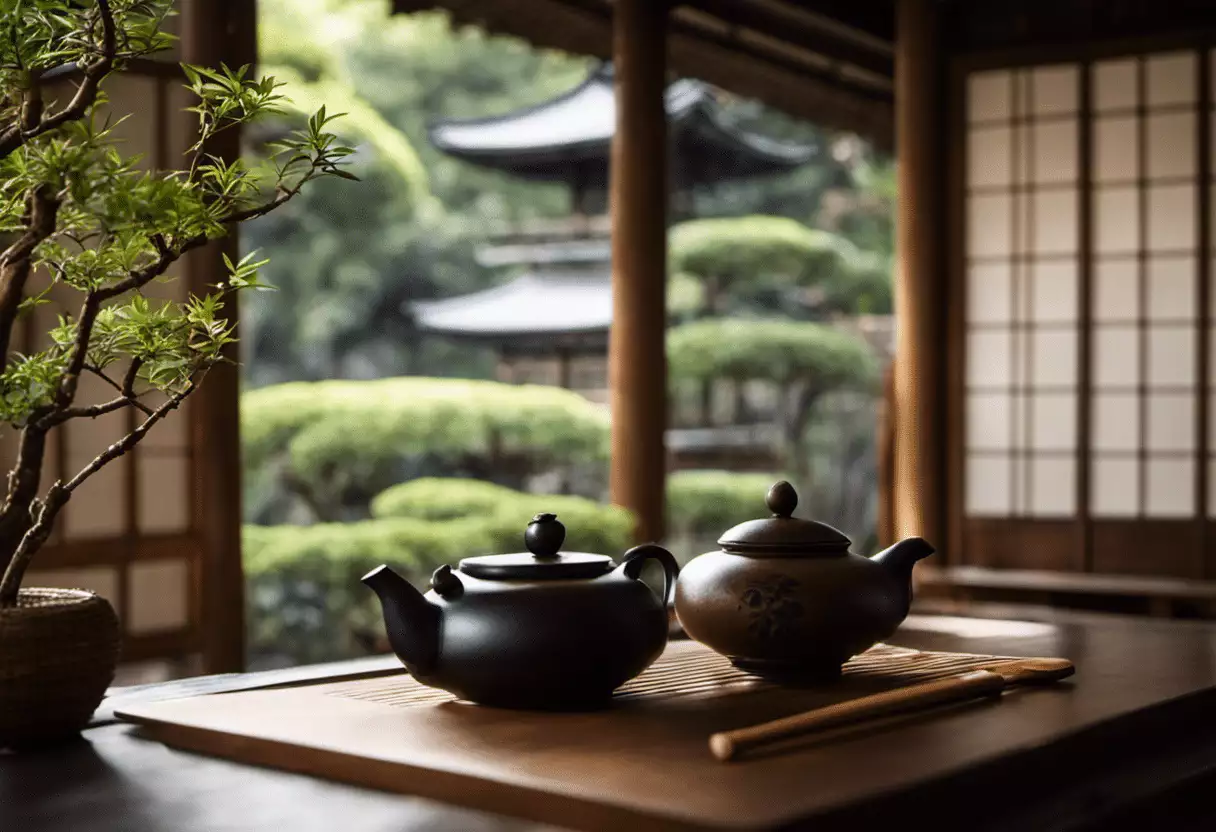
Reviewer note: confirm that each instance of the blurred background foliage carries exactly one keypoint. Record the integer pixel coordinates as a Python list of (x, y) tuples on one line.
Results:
[(349, 259), (363, 443)]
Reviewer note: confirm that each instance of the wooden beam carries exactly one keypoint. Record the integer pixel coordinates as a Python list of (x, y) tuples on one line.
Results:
[(788, 25), (215, 31), (638, 201), (919, 290), (827, 97)]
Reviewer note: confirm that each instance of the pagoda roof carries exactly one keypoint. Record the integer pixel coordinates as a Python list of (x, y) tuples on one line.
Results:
[(568, 138), (538, 310)]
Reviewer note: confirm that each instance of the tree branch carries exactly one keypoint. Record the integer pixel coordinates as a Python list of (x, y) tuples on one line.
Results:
[(59, 494), (17, 135), (23, 482), (121, 388), (41, 213), (91, 411)]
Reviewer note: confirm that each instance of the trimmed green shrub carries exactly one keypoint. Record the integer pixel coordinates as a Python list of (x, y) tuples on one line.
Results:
[(304, 596), (305, 600), (339, 443), (708, 502), (443, 498), (757, 250), (780, 351), (590, 526)]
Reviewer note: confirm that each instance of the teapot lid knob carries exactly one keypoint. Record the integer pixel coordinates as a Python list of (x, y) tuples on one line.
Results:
[(781, 499), (544, 536)]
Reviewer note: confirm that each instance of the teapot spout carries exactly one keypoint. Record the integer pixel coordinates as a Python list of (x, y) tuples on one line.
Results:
[(899, 559), (412, 622)]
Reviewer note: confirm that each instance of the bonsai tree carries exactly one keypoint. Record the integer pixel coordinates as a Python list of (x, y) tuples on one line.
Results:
[(804, 360), (80, 213), (758, 261)]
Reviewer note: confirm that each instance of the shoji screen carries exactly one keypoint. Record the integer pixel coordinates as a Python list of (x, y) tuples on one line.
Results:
[(1145, 313), (1085, 371), (1021, 264)]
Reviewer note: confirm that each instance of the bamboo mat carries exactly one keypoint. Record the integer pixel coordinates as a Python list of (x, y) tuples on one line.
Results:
[(702, 673), (642, 764)]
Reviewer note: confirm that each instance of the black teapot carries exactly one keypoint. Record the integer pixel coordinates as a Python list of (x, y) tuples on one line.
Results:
[(543, 629), (785, 597)]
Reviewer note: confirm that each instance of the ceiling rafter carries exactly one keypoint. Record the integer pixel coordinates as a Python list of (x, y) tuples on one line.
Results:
[(804, 83), (802, 30)]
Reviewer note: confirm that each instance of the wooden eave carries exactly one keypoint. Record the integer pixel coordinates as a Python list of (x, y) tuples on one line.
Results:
[(806, 59)]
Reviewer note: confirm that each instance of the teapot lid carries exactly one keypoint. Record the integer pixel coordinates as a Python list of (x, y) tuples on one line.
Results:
[(542, 561), (784, 535)]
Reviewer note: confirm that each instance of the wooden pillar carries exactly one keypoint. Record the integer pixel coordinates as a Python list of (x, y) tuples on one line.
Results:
[(920, 299), (638, 197), (215, 32), (563, 368)]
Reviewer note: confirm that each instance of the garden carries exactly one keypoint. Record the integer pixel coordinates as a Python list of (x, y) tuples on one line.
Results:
[(366, 442)]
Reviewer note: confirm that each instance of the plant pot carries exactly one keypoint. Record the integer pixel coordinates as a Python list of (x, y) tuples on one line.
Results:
[(58, 651)]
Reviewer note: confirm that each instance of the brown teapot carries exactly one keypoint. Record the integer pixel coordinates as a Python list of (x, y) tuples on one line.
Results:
[(785, 597), (542, 629)]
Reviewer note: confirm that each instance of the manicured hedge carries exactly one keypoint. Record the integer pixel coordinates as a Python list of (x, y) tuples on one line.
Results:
[(590, 526), (708, 502), (757, 251), (343, 442), (305, 599), (780, 351)]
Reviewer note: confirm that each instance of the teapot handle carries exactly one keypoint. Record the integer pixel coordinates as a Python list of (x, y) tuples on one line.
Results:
[(636, 558)]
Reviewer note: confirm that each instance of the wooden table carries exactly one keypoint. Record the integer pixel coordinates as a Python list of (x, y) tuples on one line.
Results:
[(1134, 772)]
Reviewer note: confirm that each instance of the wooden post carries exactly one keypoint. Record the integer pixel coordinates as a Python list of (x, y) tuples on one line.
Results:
[(638, 196), (215, 31), (919, 286), (563, 368), (883, 452)]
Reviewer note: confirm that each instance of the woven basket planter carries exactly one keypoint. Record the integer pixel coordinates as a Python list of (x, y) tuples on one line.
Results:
[(58, 651)]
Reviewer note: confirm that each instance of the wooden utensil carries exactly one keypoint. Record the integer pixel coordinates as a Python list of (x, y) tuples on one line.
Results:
[(727, 745)]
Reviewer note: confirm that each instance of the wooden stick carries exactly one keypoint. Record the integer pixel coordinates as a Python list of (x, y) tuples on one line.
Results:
[(728, 745)]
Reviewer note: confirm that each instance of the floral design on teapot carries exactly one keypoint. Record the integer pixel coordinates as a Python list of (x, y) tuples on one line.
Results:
[(772, 604)]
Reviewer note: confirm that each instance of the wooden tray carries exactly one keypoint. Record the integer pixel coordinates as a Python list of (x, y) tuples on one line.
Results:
[(641, 764)]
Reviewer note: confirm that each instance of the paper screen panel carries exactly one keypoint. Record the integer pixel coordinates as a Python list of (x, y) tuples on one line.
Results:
[(1170, 487), (1171, 218), (1053, 486), (1170, 79), (990, 293), (1115, 487), (1053, 90), (1116, 422), (990, 162), (1145, 338), (1116, 291), (1171, 422), (989, 486), (1171, 145), (165, 494), (160, 592), (989, 96), (1053, 292), (1055, 152), (1172, 289), (1115, 85), (1116, 156), (1116, 212), (1021, 252)]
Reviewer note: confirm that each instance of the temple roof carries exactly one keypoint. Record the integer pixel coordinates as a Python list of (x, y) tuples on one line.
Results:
[(538, 310), (830, 62), (568, 138)]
